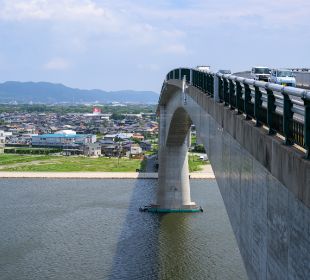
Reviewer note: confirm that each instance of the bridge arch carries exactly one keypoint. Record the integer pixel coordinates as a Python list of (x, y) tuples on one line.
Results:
[(265, 184), (179, 127), (176, 118)]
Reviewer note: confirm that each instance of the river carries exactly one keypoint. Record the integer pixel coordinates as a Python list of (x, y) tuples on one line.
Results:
[(92, 229)]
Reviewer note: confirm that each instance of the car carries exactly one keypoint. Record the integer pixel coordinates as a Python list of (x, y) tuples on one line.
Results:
[(224, 71), (260, 73), (284, 77), (203, 157)]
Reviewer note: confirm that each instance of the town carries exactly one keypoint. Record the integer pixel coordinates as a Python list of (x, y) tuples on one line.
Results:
[(92, 134)]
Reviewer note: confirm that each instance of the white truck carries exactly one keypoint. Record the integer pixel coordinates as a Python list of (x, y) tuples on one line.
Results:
[(203, 68), (260, 73), (283, 77)]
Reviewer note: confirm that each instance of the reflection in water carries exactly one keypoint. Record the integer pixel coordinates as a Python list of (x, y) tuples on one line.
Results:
[(92, 229)]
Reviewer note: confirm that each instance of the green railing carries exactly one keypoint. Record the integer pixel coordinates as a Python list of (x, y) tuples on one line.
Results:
[(283, 110)]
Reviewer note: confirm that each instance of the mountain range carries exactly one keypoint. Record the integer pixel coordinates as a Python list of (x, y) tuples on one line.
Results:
[(44, 92)]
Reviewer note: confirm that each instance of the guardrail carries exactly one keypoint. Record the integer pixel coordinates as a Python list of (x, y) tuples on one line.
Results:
[(284, 110)]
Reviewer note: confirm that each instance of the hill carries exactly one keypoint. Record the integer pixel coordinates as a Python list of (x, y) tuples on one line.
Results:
[(43, 92)]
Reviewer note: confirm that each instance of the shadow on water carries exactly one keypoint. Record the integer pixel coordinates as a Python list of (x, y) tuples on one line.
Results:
[(151, 245), (136, 255)]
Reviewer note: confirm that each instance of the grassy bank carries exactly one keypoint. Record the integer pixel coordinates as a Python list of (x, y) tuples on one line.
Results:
[(45, 163), (21, 163), (196, 164)]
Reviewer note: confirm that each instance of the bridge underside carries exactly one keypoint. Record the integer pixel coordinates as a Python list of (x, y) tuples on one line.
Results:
[(174, 189), (271, 220)]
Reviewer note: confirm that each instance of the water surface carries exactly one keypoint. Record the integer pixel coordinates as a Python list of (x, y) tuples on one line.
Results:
[(92, 229)]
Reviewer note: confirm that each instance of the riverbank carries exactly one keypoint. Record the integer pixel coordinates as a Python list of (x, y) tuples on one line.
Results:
[(97, 175)]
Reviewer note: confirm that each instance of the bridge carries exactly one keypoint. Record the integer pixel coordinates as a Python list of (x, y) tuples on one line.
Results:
[(257, 137)]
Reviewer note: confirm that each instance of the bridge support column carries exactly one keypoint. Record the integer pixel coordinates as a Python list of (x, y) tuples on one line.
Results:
[(173, 193)]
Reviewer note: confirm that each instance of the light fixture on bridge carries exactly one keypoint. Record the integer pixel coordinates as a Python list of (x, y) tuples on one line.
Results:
[(184, 89)]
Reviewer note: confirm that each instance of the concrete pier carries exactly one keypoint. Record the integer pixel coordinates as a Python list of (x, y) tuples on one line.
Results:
[(173, 181)]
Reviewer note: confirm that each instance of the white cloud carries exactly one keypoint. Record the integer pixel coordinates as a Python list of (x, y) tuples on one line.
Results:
[(57, 63), (49, 10), (204, 13), (100, 34), (192, 13)]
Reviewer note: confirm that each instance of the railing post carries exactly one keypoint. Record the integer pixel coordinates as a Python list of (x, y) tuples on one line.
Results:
[(307, 127), (257, 104), (216, 88), (247, 101), (180, 75), (198, 80), (208, 84), (239, 97), (221, 90), (204, 82), (271, 108), (190, 76), (287, 119), (211, 86), (231, 94), (226, 94)]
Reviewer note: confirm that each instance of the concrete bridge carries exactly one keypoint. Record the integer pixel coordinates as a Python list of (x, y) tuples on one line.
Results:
[(257, 137)]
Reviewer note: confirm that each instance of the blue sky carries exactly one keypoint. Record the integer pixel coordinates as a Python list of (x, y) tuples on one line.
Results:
[(125, 44)]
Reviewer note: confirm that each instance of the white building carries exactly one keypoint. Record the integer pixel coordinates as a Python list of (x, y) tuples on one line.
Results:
[(62, 140), (135, 151), (66, 132), (92, 150)]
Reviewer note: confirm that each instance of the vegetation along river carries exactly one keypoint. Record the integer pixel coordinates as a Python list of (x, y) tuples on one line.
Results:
[(92, 229)]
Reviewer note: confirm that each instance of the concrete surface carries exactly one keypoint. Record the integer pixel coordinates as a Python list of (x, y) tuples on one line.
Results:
[(264, 184)]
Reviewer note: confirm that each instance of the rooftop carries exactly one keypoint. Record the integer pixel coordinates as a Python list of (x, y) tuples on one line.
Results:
[(63, 135)]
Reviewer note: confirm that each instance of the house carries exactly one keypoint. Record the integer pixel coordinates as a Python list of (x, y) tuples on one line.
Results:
[(110, 137), (135, 151), (72, 151), (124, 136), (92, 149), (106, 142), (110, 150), (138, 137)]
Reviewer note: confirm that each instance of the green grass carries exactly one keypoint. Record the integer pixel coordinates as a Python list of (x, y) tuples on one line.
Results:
[(68, 164), (6, 159), (195, 164), (193, 140), (37, 163)]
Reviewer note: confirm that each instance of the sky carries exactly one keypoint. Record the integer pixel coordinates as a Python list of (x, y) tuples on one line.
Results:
[(132, 44)]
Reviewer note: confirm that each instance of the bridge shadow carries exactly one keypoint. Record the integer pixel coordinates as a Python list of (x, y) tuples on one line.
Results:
[(137, 252), (153, 246)]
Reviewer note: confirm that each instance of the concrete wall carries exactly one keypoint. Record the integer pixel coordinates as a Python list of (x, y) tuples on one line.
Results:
[(270, 219)]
